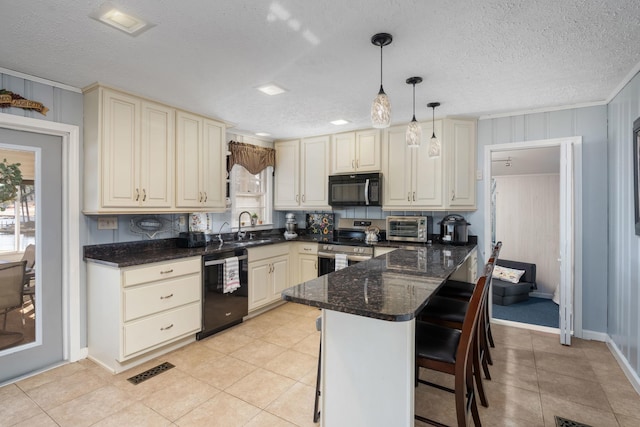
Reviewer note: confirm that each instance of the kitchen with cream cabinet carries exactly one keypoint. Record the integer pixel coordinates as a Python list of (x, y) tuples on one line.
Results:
[(129, 148), (139, 312), (200, 160), (355, 152), (414, 180), (269, 274), (302, 168)]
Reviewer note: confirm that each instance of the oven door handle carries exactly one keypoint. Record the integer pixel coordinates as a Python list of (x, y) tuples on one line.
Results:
[(330, 255), (221, 261)]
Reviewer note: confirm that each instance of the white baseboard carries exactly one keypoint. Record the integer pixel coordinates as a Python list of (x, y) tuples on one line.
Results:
[(594, 336), (529, 326), (631, 375)]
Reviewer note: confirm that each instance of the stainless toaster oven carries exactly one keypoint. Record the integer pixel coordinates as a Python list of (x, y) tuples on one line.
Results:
[(409, 228)]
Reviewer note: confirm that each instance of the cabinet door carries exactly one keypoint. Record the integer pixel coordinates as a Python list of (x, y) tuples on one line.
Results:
[(213, 165), (343, 147), (315, 172), (188, 146), (427, 184), (368, 151), (120, 150), (287, 174), (259, 284), (460, 153), (279, 276), (307, 267), (157, 155), (398, 178)]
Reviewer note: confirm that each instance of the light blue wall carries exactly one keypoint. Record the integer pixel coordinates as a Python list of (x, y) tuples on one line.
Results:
[(591, 124), (624, 245)]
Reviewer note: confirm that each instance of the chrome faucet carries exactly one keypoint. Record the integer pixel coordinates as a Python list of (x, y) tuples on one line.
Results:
[(220, 232), (240, 232)]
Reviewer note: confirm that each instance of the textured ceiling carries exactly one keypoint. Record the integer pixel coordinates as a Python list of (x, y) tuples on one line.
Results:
[(476, 57)]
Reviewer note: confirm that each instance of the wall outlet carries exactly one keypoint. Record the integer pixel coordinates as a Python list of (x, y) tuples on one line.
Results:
[(108, 223), (182, 221), (479, 174)]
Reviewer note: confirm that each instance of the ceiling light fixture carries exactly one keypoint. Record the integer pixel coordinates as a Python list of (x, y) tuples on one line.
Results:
[(434, 143), (340, 122), (271, 89), (381, 108), (130, 24), (262, 134), (414, 130)]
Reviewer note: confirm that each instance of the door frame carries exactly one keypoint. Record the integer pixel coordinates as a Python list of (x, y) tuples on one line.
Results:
[(576, 143), (70, 135)]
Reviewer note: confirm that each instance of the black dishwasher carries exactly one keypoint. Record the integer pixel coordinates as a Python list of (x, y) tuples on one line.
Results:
[(222, 310)]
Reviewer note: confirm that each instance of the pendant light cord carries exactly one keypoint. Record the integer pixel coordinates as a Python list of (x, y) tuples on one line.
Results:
[(414, 103), (381, 89), (433, 122)]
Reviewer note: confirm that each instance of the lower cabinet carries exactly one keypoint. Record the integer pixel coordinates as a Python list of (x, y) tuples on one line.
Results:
[(268, 274), (307, 262), (138, 313)]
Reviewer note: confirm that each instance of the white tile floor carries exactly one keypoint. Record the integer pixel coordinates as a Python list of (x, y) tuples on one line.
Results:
[(262, 373)]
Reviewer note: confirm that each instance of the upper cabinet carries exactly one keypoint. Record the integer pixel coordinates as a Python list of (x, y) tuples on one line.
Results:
[(200, 156), (134, 165), (129, 153), (355, 152), (301, 174), (416, 181)]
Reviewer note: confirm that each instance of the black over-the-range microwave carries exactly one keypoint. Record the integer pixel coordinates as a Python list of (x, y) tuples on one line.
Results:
[(362, 189)]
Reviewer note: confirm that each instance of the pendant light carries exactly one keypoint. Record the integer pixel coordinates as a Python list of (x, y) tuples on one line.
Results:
[(414, 130), (434, 143), (381, 108)]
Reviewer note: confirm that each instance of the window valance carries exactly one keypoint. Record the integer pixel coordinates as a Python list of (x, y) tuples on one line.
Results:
[(253, 158)]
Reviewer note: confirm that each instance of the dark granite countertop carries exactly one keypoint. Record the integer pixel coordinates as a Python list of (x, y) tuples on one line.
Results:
[(128, 254), (393, 286)]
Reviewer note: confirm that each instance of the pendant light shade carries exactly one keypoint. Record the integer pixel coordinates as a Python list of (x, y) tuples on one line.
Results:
[(434, 143), (414, 130), (381, 108)]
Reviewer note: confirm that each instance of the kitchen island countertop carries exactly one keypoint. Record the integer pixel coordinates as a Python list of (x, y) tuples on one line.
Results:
[(394, 286)]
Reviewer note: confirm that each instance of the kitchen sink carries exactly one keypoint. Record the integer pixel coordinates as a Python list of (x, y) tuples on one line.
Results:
[(244, 243)]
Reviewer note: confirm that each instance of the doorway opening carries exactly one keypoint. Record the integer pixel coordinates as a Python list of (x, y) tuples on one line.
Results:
[(534, 193)]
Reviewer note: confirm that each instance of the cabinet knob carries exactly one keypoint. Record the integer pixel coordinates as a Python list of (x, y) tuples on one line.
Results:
[(205, 197), (166, 328), (353, 164), (166, 297), (453, 194), (166, 271), (409, 196), (144, 195), (303, 198), (414, 196), (357, 164), (137, 194), (297, 198)]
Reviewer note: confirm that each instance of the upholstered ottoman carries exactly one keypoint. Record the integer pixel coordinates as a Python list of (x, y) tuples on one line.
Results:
[(505, 291)]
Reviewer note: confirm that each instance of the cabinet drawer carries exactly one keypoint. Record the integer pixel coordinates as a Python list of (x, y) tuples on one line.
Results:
[(161, 328), (308, 248), (160, 271), (149, 299)]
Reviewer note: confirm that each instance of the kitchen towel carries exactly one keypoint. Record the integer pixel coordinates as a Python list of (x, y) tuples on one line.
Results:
[(341, 261), (231, 275)]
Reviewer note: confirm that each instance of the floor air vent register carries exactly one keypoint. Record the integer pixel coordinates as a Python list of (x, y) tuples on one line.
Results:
[(564, 422), (150, 373)]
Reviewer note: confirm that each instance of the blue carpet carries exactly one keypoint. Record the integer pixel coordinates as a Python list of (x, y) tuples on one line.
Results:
[(535, 311)]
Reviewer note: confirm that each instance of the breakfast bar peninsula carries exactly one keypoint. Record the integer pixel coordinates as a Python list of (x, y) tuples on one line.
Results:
[(368, 326)]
